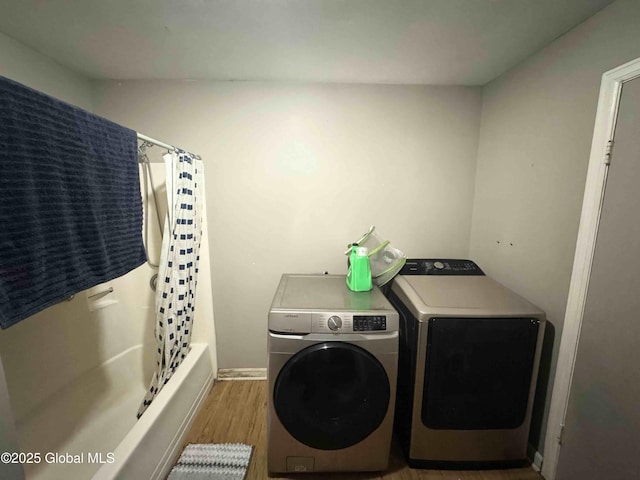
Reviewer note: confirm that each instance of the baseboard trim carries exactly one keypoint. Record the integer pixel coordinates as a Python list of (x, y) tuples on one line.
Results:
[(535, 457), (242, 374)]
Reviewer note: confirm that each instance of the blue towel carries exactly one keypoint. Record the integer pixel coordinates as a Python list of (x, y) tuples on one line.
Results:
[(70, 202)]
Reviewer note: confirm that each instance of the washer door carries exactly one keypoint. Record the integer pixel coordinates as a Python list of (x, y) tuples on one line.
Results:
[(331, 395)]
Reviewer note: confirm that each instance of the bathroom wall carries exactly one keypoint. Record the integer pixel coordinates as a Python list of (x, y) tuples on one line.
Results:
[(8, 434), (24, 65), (294, 172), (535, 138)]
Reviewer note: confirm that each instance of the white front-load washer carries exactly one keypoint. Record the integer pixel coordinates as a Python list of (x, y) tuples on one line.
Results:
[(332, 368)]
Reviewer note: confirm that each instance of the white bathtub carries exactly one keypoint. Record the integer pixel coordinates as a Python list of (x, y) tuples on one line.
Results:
[(88, 429)]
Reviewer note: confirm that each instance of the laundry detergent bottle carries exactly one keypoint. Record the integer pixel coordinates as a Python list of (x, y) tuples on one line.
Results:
[(359, 273)]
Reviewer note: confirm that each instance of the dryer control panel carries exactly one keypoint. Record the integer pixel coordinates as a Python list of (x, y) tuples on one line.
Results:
[(440, 266)]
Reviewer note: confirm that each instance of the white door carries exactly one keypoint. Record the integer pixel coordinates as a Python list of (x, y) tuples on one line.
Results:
[(601, 437)]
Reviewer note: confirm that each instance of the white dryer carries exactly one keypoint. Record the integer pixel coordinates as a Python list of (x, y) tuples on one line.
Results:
[(332, 367)]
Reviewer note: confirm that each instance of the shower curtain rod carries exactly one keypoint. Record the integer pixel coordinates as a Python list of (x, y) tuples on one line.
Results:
[(153, 141)]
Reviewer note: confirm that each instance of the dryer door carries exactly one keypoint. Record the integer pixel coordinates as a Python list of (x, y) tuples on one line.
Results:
[(331, 395)]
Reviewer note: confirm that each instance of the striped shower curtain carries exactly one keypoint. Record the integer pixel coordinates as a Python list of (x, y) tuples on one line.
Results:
[(178, 271)]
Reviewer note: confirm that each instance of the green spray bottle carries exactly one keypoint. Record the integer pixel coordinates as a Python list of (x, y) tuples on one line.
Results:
[(359, 273)]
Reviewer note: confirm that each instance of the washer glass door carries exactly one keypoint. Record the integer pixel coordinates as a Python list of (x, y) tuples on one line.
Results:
[(331, 395)]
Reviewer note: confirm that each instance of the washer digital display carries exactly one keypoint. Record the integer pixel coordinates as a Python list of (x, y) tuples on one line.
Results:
[(369, 323)]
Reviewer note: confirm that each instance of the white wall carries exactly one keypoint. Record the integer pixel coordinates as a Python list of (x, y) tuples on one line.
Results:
[(33, 69), (535, 137), (296, 171), (8, 434)]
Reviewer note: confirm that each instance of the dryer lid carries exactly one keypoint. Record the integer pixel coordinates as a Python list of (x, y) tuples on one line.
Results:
[(429, 296)]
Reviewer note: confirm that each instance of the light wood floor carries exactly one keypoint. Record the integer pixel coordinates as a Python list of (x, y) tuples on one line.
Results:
[(235, 412)]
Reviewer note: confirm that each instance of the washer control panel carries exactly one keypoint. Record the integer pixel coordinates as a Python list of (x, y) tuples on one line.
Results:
[(348, 323), (369, 323)]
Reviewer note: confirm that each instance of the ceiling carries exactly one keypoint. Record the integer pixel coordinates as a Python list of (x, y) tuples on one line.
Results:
[(437, 42)]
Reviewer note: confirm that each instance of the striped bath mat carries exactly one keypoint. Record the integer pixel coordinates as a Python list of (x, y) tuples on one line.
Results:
[(212, 461)]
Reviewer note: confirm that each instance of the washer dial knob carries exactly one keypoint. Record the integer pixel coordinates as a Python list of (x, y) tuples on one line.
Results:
[(334, 322)]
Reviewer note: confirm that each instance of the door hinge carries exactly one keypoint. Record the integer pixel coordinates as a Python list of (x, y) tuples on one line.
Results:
[(561, 435), (608, 152)]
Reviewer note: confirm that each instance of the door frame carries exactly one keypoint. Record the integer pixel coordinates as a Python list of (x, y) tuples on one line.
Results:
[(601, 148)]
